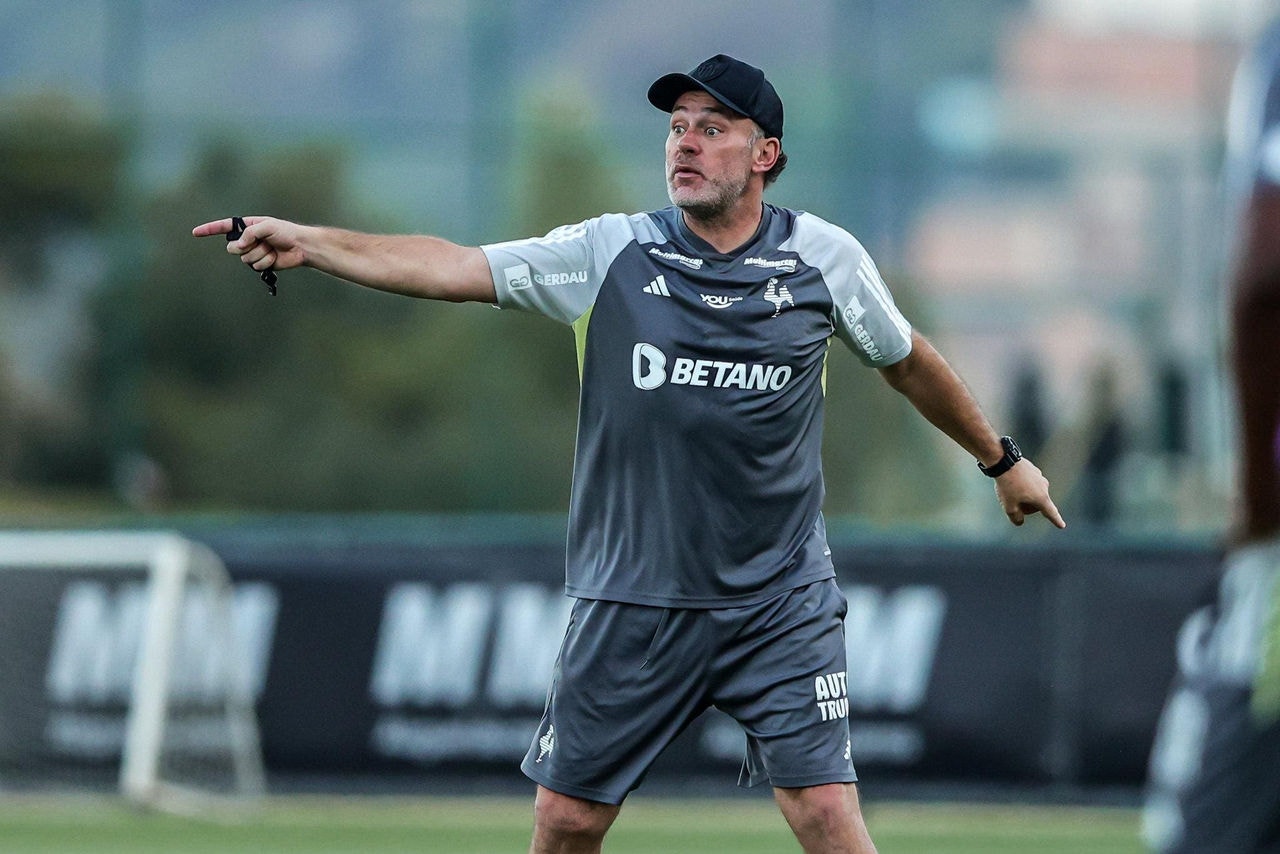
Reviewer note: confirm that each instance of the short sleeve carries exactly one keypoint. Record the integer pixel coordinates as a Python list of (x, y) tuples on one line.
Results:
[(554, 275), (864, 313)]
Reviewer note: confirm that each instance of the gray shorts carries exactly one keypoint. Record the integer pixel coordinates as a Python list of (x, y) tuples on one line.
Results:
[(1231, 805), (1214, 782), (630, 678)]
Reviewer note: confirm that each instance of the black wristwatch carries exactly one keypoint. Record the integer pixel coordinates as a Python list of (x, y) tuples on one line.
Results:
[(1011, 455)]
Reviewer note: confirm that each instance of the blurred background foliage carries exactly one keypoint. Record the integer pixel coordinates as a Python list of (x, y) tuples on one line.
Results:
[(327, 397), (1035, 179)]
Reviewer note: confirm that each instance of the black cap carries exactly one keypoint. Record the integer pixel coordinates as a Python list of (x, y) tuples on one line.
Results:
[(739, 86)]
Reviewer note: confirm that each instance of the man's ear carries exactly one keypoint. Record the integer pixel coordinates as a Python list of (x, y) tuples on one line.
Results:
[(766, 154)]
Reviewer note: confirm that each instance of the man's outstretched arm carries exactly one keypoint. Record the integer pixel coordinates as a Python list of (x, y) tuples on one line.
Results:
[(933, 388), (412, 265)]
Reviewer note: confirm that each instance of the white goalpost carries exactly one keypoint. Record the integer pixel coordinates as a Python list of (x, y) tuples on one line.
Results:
[(174, 579)]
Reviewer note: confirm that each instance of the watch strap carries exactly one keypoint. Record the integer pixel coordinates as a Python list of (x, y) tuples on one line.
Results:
[(1011, 456)]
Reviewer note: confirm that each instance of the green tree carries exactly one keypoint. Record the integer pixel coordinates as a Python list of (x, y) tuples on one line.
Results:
[(61, 169), (565, 174), (331, 397), (882, 461)]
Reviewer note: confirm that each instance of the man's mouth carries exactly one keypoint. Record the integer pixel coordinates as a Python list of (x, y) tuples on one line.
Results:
[(684, 171)]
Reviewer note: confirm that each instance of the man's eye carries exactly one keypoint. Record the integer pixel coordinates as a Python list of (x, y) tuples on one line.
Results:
[(713, 131)]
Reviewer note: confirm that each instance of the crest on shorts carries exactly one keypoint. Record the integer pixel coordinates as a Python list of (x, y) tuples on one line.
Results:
[(546, 744)]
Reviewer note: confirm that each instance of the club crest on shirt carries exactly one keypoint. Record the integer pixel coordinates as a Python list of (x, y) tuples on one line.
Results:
[(779, 295)]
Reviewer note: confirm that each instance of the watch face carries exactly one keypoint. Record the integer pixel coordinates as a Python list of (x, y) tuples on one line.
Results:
[(1011, 448)]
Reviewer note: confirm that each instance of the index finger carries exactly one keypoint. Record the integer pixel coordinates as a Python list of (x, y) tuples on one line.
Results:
[(207, 229), (1051, 513)]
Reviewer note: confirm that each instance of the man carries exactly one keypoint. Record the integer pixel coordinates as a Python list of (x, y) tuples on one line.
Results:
[(696, 548), (1213, 784)]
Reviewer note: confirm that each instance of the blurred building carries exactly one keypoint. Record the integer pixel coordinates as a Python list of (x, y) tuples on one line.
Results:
[(1078, 234)]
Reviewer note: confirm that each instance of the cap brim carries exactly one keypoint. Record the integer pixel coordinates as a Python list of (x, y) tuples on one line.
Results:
[(666, 90)]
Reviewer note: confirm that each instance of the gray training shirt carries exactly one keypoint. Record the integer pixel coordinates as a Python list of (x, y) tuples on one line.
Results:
[(698, 479)]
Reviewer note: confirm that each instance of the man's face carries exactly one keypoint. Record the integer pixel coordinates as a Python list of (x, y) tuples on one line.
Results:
[(709, 155)]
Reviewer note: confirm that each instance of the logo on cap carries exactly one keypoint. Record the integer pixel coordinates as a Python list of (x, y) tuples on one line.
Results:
[(710, 69)]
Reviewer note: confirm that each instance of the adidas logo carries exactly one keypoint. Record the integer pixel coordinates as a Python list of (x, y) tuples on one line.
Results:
[(658, 287)]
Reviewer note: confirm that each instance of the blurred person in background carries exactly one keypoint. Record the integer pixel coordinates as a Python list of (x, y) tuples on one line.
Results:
[(1214, 780), (697, 552)]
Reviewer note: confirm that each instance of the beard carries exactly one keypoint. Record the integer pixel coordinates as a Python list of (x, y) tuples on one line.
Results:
[(716, 198)]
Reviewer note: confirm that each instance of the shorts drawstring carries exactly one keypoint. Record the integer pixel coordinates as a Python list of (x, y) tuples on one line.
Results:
[(657, 632)]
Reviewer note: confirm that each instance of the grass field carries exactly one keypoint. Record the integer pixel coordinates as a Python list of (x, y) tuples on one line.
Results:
[(350, 825)]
